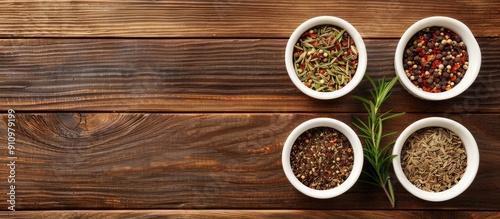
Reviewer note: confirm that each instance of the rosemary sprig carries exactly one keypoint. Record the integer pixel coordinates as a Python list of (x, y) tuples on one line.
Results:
[(377, 156)]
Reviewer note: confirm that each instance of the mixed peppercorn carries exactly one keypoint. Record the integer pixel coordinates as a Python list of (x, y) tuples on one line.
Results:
[(322, 158), (435, 59), (325, 58)]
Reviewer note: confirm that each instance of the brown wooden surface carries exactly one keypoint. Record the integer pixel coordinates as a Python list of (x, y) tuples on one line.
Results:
[(152, 109), (209, 161), (227, 75), (228, 18), (252, 214)]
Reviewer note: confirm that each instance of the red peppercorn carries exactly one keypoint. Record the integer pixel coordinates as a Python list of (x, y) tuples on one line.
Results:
[(426, 55), (421, 53)]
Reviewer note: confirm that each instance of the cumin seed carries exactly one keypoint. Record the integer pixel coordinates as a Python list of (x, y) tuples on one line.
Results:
[(434, 159)]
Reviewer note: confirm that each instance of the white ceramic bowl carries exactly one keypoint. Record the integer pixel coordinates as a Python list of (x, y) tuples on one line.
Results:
[(472, 158), (360, 45), (355, 144), (473, 51)]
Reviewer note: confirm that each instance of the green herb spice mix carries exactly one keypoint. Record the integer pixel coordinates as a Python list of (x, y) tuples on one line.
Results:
[(325, 58)]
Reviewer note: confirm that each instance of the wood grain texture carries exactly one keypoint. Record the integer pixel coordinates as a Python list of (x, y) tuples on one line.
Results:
[(193, 75), (252, 214), (70, 161), (228, 18), (179, 109)]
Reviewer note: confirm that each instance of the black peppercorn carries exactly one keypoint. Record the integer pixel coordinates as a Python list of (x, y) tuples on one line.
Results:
[(438, 52), (317, 154)]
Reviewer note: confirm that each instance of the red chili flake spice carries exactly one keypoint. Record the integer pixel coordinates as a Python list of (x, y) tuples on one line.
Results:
[(325, 58), (322, 158), (435, 59)]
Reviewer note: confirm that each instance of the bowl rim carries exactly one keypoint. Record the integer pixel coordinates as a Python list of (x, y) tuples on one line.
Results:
[(360, 45), (470, 147), (357, 151), (473, 52)]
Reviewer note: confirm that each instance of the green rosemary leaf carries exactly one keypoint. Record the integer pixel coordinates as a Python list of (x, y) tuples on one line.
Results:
[(365, 131), (373, 93), (307, 45), (391, 143), (382, 115), (367, 109), (373, 177), (391, 190), (388, 159), (369, 182), (392, 116), (361, 125), (371, 162), (339, 36), (378, 138), (388, 134), (386, 149), (373, 84), (363, 136), (364, 100), (298, 47), (375, 154)]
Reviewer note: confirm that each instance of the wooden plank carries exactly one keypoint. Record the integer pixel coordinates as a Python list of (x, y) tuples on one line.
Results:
[(198, 75), (347, 214), (197, 161), (228, 18)]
